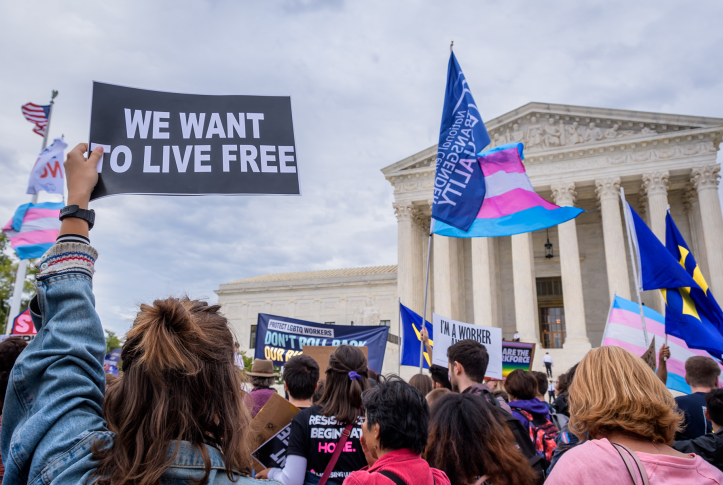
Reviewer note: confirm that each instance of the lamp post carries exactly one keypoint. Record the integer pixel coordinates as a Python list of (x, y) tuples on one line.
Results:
[(548, 246)]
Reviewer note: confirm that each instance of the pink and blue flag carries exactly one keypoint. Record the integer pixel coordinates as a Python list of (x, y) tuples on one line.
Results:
[(624, 329), (510, 206), (34, 228)]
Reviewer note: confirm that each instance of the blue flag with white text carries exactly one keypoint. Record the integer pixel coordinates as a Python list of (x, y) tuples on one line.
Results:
[(459, 184), (412, 338)]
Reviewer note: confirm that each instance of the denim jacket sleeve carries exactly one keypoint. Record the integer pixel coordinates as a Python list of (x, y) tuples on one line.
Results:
[(55, 394)]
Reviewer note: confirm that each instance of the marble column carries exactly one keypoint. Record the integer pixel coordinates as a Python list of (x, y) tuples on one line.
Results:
[(608, 191), (705, 180), (655, 186), (691, 205), (419, 259), (524, 285), (405, 253), (565, 196), (443, 275), (425, 249), (484, 281)]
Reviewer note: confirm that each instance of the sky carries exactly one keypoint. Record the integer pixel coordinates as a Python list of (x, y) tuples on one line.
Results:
[(366, 81)]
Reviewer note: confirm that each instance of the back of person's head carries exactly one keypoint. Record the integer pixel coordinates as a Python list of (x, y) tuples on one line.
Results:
[(472, 356), (423, 383), (400, 411), (467, 440), (301, 374), (346, 379), (10, 350), (561, 383), (521, 385), (440, 375), (373, 374), (570, 374), (179, 383), (615, 390), (714, 405), (702, 371), (541, 382), (435, 394)]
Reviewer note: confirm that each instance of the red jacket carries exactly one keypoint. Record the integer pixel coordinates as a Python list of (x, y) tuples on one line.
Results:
[(407, 465)]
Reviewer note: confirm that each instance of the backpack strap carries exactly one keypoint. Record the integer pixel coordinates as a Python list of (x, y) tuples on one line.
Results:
[(624, 451), (393, 477), (337, 451)]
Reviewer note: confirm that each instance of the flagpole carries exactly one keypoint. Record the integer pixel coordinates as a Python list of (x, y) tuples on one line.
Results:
[(401, 337), (426, 290), (610, 312), (23, 265), (636, 270)]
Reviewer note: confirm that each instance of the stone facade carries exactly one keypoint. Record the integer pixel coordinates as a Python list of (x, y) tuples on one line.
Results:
[(357, 296), (574, 156)]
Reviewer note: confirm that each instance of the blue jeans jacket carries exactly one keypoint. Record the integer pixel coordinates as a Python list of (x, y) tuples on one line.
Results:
[(53, 405)]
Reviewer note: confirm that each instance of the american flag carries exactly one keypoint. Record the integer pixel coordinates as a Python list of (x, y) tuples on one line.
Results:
[(37, 115)]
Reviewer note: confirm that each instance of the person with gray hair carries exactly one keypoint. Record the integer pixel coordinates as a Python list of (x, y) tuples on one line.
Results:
[(262, 378)]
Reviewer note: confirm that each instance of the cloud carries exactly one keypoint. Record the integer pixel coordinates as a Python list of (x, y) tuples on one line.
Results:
[(366, 81)]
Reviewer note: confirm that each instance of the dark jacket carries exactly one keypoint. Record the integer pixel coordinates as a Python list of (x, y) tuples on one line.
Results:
[(560, 405), (709, 447), (479, 390)]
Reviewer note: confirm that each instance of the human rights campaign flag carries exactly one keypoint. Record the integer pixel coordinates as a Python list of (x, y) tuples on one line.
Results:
[(412, 338), (691, 313), (659, 270), (459, 185)]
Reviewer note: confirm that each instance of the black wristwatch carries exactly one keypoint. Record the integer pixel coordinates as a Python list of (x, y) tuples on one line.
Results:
[(75, 211)]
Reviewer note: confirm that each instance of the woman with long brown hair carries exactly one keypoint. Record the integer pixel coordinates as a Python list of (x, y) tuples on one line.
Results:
[(316, 431), (472, 446), (177, 412)]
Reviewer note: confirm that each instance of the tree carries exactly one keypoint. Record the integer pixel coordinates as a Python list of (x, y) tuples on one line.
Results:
[(8, 270), (112, 341)]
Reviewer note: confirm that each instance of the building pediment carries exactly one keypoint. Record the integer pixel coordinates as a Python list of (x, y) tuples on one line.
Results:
[(547, 129)]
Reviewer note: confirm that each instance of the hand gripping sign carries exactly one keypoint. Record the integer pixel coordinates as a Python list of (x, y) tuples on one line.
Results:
[(187, 144)]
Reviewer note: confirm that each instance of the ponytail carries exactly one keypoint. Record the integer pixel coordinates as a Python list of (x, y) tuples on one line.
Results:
[(346, 379)]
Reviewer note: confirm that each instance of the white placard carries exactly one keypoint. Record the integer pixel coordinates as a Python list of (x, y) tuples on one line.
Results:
[(448, 332)]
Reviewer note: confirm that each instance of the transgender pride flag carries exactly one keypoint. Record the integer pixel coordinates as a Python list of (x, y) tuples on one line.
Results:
[(34, 228), (624, 329), (511, 206)]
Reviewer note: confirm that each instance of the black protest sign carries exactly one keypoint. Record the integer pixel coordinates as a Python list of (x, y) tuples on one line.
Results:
[(189, 144)]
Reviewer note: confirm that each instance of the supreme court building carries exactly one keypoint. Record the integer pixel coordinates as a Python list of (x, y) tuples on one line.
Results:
[(553, 286)]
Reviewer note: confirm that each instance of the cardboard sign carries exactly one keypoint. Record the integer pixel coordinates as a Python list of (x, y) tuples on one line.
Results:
[(448, 332), (270, 433), (321, 356), (188, 144), (649, 355), (517, 355), (280, 338)]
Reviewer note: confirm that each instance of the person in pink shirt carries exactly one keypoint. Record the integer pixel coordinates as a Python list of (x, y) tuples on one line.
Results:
[(618, 401)]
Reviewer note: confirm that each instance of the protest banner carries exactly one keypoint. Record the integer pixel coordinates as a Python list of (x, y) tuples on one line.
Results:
[(516, 355), (280, 338), (448, 332), (270, 430), (188, 144), (321, 356)]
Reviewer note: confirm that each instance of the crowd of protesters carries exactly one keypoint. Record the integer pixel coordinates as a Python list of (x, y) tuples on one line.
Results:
[(179, 412)]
